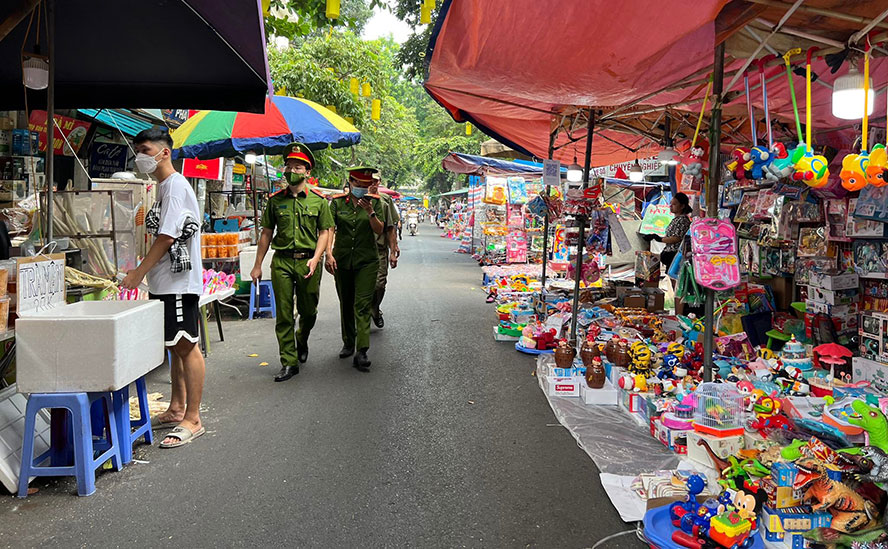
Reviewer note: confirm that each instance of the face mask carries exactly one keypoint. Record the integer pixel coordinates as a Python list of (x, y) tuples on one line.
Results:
[(359, 192), (146, 163), (294, 179)]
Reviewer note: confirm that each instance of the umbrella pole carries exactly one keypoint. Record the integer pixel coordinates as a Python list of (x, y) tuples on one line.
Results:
[(718, 76), (50, 117), (255, 207), (581, 221), (543, 307)]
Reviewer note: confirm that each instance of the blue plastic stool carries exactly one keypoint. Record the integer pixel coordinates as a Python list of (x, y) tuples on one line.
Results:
[(78, 433), (266, 299), (131, 430)]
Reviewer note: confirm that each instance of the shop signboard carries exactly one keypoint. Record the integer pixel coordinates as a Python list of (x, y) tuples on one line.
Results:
[(651, 167), (204, 169), (40, 283), (74, 130), (175, 117), (105, 159), (240, 169)]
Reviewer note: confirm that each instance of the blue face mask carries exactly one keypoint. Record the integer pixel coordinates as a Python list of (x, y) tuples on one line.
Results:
[(359, 192)]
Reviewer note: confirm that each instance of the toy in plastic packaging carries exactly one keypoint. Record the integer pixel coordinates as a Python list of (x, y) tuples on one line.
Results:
[(812, 242), (656, 218), (517, 190), (747, 207), (714, 247), (599, 232), (495, 192), (647, 265), (868, 257)]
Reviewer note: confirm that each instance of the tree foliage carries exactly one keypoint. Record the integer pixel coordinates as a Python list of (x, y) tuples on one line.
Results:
[(311, 17)]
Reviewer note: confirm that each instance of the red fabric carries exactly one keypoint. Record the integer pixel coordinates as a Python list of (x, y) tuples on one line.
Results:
[(509, 70), (260, 125)]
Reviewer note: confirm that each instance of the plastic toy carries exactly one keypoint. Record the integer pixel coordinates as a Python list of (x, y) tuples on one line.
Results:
[(640, 355), (761, 158), (769, 416), (782, 165), (853, 172), (712, 522), (872, 420), (878, 163), (714, 246), (850, 511), (740, 164), (811, 169), (874, 462), (718, 410), (692, 167)]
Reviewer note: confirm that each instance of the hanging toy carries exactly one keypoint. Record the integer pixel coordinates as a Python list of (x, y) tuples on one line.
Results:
[(811, 169), (854, 166), (740, 164), (761, 159), (782, 165), (878, 163)]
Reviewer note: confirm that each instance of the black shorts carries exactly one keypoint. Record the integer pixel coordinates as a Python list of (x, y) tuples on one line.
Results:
[(181, 317)]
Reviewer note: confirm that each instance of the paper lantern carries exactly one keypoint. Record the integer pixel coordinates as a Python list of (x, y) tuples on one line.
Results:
[(468, 128), (332, 108), (430, 4), (282, 91), (375, 109), (265, 6), (365, 89), (350, 120), (354, 86), (332, 9), (425, 15)]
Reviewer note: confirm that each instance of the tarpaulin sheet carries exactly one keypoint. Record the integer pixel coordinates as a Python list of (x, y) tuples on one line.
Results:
[(482, 165)]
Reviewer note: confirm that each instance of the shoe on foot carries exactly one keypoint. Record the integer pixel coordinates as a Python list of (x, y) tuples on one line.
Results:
[(286, 373), (361, 362), (346, 352), (303, 354), (380, 323)]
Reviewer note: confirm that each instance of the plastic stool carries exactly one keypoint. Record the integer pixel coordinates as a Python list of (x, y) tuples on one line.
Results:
[(778, 336), (79, 432), (266, 299), (131, 430)]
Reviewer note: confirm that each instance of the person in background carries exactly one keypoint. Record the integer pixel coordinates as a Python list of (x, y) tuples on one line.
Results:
[(296, 223), (680, 206), (389, 252), (175, 278), (352, 257)]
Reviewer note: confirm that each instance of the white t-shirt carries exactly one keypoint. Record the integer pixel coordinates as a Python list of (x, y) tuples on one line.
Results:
[(177, 201)]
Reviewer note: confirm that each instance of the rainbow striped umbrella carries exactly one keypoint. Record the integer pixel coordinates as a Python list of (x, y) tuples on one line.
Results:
[(215, 134)]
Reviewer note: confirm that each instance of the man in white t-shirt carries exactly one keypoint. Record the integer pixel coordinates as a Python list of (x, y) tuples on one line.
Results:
[(175, 277)]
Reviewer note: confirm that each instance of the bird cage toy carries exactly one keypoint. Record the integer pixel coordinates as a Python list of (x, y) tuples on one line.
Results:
[(718, 410)]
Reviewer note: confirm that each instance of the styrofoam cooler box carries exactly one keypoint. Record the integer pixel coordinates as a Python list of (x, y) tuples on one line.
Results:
[(564, 386), (88, 346), (248, 258), (606, 396)]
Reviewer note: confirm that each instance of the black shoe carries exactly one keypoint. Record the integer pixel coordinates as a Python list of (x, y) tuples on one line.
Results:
[(346, 352), (286, 373), (380, 323), (303, 354), (361, 362)]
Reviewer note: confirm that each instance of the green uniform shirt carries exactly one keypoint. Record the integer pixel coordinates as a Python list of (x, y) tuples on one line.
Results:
[(390, 219), (298, 219), (355, 244)]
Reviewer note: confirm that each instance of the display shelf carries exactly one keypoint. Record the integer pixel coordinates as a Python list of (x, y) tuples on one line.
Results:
[(221, 259)]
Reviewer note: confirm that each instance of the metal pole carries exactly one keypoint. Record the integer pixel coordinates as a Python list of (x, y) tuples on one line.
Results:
[(718, 76), (581, 221), (255, 206), (50, 116), (546, 232)]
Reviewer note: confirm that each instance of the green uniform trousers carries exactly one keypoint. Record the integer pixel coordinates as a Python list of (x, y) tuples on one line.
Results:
[(288, 280), (355, 288)]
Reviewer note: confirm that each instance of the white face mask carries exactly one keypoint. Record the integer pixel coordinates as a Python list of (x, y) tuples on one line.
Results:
[(146, 163)]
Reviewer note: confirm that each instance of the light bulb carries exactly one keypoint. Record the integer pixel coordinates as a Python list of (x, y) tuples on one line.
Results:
[(35, 72), (668, 156), (250, 158), (636, 174), (574, 172), (847, 96)]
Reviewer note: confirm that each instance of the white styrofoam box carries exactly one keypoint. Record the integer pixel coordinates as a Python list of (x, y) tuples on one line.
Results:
[(721, 446), (88, 346), (503, 337), (846, 281), (606, 396), (564, 386), (12, 431), (832, 297), (248, 258)]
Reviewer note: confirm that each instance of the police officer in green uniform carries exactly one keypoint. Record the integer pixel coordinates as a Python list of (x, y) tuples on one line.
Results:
[(353, 258), (388, 250), (297, 223)]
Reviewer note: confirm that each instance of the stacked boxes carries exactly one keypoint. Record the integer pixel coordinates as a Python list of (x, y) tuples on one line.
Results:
[(836, 296)]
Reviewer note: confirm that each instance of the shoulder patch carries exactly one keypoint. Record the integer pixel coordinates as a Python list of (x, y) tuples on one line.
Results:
[(340, 195), (317, 192), (278, 192), (376, 196)]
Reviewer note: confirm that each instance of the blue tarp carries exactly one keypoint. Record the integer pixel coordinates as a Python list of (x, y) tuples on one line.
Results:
[(478, 165), (130, 125)]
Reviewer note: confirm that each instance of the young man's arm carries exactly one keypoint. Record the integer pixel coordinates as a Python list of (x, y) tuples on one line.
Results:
[(161, 245)]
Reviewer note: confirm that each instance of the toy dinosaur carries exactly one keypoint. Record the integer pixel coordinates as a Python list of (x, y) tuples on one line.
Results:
[(849, 510), (874, 461), (833, 539), (873, 421)]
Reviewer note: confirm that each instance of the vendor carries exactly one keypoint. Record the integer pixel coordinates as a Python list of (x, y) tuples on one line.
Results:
[(680, 206)]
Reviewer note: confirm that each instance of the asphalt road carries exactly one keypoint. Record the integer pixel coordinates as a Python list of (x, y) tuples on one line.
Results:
[(447, 442)]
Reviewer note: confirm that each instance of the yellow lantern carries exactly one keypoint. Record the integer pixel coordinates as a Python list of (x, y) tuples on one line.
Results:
[(332, 108), (375, 109), (350, 120), (265, 5), (281, 91), (332, 9), (354, 86), (468, 128), (425, 15), (430, 4), (365, 89)]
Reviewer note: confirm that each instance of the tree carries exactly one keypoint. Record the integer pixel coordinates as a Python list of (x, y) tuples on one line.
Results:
[(311, 17)]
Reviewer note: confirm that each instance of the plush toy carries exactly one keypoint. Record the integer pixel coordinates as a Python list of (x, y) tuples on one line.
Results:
[(853, 172), (812, 169), (760, 158), (878, 163)]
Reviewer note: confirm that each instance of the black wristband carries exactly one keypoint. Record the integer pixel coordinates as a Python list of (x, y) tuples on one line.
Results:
[(372, 214)]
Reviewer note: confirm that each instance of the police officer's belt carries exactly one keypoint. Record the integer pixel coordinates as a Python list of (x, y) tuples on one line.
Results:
[(296, 254)]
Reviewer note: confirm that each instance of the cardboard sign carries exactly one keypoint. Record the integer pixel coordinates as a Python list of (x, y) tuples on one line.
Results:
[(552, 173), (40, 282)]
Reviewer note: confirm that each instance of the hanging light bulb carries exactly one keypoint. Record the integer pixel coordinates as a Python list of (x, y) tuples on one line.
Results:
[(847, 96), (250, 157), (574, 172), (636, 174), (35, 71), (668, 156)]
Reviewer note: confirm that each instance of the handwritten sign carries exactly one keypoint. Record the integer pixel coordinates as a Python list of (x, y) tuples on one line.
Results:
[(41, 283)]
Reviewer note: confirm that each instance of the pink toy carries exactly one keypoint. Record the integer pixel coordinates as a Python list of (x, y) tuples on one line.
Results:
[(714, 249)]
